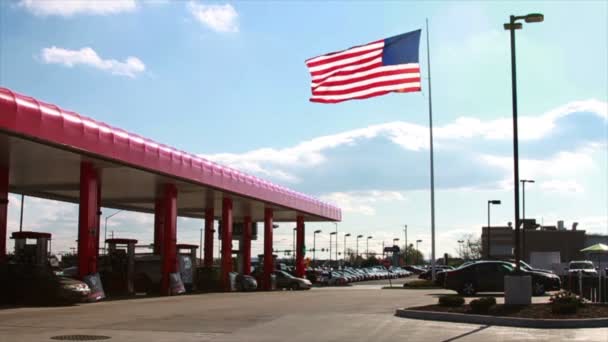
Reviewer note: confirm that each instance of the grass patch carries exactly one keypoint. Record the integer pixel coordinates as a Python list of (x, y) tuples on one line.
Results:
[(420, 284)]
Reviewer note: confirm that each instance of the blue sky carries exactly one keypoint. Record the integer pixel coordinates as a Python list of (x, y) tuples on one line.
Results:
[(227, 80)]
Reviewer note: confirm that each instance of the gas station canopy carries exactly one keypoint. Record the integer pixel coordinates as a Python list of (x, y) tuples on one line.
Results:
[(43, 146)]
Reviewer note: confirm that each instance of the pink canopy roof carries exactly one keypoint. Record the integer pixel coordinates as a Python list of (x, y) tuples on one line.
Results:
[(47, 124)]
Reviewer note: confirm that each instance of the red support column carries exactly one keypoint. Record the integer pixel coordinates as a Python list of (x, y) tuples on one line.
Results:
[(98, 217), (3, 210), (169, 237), (226, 243), (246, 247), (300, 271), (209, 217), (268, 260), (88, 229), (159, 218)]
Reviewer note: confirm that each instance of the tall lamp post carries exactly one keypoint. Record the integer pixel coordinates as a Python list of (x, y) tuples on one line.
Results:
[(336, 225), (417, 252), (490, 202), (345, 236), (461, 251), (523, 214), (512, 26), (105, 230), (367, 247), (314, 244), (405, 249), (358, 237), (330, 235)]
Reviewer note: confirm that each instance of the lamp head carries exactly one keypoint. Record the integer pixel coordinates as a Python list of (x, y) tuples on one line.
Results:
[(494, 201), (534, 18)]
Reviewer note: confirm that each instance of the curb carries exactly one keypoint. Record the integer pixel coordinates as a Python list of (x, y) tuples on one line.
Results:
[(503, 321)]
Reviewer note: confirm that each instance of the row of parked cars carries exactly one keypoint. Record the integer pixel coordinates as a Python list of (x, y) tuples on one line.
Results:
[(347, 275)]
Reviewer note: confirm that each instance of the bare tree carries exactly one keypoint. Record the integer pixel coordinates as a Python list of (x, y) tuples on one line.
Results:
[(471, 248)]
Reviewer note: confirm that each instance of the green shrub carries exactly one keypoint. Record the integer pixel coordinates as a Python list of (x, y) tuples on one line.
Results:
[(419, 283), (482, 305), (565, 303), (451, 300)]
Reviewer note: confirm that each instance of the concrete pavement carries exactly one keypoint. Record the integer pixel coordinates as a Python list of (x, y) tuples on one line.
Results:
[(323, 314)]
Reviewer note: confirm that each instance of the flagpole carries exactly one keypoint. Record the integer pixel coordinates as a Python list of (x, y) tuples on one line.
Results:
[(428, 69)]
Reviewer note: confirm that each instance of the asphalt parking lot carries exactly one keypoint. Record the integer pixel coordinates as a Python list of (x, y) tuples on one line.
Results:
[(362, 312)]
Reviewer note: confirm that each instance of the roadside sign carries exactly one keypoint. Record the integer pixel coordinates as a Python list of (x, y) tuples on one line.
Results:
[(392, 249)]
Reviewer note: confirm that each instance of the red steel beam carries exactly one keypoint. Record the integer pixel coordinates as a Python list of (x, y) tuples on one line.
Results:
[(158, 226), (300, 272), (209, 217), (3, 210), (246, 248), (268, 260), (169, 238), (88, 229), (226, 243)]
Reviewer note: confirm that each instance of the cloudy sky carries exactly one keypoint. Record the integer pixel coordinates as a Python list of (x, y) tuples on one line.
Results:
[(228, 81)]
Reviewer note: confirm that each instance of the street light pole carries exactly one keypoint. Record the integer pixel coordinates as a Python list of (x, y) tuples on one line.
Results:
[(314, 244), (293, 247), (367, 247), (488, 235), (523, 214), (461, 252), (358, 237), (417, 252), (105, 230), (345, 236), (512, 26), (405, 249), (336, 224), (330, 235)]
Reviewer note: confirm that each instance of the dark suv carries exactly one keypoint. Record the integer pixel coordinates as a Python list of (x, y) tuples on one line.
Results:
[(488, 276)]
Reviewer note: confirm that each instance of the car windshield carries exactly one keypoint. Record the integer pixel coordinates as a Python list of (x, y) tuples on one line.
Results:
[(581, 266)]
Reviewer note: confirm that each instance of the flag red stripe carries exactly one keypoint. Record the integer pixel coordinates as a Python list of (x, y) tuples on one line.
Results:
[(382, 92), (366, 87), (330, 83), (341, 57), (338, 67), (341, 51), (349, 72)]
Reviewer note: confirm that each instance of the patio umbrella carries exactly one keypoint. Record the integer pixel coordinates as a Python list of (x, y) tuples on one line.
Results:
[(598, 248)]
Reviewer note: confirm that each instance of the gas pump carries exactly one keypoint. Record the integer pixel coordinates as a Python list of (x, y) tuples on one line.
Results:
[(35, 254), (118, 268), (259, 272), (186, 257)]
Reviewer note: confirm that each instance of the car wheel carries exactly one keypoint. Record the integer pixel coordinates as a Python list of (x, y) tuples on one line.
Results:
[(294, 286), (468, 289), (538, 289)]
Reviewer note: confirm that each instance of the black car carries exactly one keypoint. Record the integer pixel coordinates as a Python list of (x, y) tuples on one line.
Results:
[(427, 275), (488, 276)]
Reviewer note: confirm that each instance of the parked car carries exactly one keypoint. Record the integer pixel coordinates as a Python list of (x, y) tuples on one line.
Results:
[(414, 269), (39, 285), (438, 268), (488, 276), (527, 266), (585, 266), (287, 281), (246, 283)]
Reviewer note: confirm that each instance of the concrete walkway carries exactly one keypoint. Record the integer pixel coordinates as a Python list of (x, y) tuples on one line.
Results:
[(321, 314)]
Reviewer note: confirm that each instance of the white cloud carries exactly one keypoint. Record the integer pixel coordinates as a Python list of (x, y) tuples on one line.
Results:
[(361, 202), (279, 163), (560, 170), (67, 8), (220, 18), (130, 67)]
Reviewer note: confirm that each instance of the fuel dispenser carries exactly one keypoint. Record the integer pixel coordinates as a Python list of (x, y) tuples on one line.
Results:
[(186, 257), (36, 253), (118, 268)]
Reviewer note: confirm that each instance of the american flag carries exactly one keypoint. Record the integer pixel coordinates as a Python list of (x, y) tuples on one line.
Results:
[(361, 72)]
